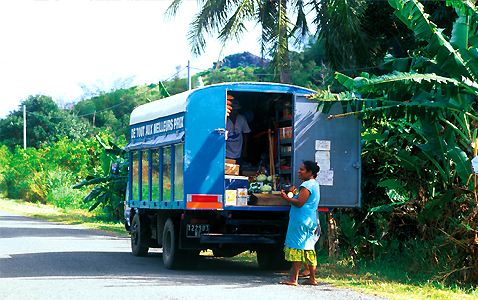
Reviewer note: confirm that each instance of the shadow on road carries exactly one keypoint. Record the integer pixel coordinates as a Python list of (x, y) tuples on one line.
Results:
[(124, 264), (31, 248)]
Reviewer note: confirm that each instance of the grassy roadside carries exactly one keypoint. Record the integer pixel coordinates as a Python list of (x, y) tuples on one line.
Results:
[(83, 218), (374, 280), (377, 281), (387, 284)]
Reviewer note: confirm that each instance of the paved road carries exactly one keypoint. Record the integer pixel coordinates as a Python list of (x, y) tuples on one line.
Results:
[(45, 260)]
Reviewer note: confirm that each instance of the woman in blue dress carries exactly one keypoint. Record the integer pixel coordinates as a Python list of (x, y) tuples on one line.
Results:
[(303, 224)]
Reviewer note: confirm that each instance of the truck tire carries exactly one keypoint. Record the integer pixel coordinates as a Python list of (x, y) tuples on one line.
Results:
[(173, 257), (138, 237), (272, 260)]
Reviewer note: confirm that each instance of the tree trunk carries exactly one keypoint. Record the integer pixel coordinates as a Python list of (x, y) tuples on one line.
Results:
[(333, 236), (283, 50), (285, 71)]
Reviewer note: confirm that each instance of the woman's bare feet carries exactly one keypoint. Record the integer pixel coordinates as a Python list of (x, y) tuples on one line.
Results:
[(289, 283), (305, 273), (308, 282)]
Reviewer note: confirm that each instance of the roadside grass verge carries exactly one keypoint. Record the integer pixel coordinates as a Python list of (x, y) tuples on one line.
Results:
[(380, 280), (82, 217), (388, 282)]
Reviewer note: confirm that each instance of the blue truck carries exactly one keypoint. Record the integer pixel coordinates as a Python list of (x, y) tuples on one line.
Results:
[(180, 195)]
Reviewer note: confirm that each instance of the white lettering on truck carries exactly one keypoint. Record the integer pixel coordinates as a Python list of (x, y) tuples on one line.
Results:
[(158, 127)]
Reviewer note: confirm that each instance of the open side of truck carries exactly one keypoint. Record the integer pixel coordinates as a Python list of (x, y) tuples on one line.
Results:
[(180, 197)]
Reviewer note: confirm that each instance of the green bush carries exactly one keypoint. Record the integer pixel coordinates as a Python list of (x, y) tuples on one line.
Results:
[(47, 174), (60, 192)]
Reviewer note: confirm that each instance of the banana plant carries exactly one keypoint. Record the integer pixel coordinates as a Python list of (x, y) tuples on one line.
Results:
[(351, 237), (421, 116), (432, 92), (110, 187)]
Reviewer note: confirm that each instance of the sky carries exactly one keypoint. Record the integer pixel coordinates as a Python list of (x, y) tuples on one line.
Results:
[(51, 47)]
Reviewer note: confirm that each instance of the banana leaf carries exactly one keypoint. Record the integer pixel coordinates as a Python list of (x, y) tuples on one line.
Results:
[(412, 14), (94, 193), (391, 184), (163, 91), (433, 209), (374, 136), (348, 229), (89, 181), (410, 162), (115, 152), (387, 207), (462, 164), (94, 206), (106, 161), (431, 130), (100, 140), (345, 80), (400, 81)]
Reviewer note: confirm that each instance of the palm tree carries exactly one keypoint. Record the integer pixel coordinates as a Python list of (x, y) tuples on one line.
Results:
[(346, 39), (228, 18), (339, 22)]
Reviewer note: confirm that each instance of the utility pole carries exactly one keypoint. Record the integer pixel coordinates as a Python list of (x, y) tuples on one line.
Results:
[(189, 76), (24, 128)]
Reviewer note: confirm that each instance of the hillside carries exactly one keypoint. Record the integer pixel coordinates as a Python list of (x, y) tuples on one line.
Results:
[(244, 60), (110, 111)]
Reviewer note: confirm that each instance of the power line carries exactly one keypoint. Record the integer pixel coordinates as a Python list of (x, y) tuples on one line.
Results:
[(292, 74), (99, 111), (175, 74), (111, 107), (214, 71)]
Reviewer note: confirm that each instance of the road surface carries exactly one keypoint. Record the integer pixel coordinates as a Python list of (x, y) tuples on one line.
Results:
[(46, 260)]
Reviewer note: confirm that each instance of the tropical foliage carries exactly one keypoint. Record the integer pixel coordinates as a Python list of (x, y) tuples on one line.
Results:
[(356, 35), (110, 184), (32, 174), (345, 33), (47, 174), (418, 200), (46, 123), (228, 19), (421, 131)]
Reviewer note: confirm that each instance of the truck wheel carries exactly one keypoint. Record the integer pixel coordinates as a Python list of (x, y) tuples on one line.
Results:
[(138, 237), (272, 260), (173, 257)]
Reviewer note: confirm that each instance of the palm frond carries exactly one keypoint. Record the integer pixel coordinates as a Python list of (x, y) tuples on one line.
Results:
[(212, 16), (173, 8), (234, 27), (276, 28), (346, 41), (301, 28)]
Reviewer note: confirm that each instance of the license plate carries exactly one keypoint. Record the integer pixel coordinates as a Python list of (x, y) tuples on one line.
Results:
[(195, 230)]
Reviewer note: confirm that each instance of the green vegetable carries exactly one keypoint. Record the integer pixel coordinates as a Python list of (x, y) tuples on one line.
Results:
[(261, 178), (266, 188)]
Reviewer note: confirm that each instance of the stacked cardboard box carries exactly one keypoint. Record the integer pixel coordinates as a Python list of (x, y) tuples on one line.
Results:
[(231, 167)]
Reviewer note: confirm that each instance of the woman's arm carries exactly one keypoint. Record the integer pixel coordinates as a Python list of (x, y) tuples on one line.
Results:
[(300, 201)]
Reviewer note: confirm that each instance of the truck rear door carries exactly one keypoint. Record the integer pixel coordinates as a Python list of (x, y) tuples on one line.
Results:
[(334, 145)]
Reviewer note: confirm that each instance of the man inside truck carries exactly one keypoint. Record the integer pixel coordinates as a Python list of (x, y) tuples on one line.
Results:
[(238, 131)]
